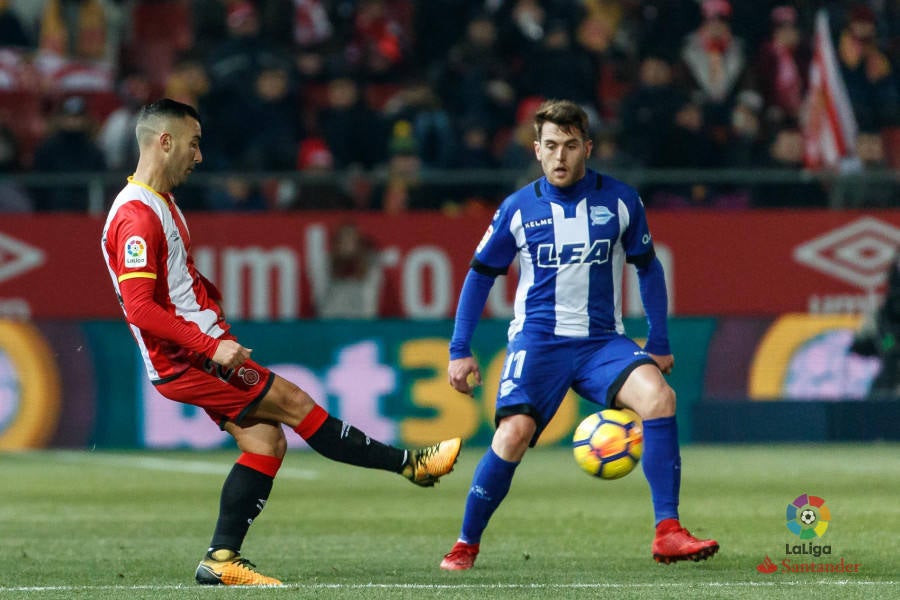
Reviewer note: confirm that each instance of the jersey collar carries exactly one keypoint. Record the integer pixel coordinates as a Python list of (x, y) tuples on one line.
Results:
[(164, 197), (576, 191)]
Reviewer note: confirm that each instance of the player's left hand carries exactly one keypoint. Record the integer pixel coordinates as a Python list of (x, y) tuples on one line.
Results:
[(665, 362), (464, 374)]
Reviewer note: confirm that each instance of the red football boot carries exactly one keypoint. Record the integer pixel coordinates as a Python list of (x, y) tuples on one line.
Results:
[(461, 557), (673, 543)]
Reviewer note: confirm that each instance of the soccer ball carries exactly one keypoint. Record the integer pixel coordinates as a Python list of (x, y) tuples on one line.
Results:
[(608, 444)]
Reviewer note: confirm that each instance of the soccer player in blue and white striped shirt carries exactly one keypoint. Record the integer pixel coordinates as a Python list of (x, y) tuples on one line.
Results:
[(572, 231)]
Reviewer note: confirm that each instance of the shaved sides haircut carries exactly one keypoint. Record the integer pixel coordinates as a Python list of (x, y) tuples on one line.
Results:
[(153, 117)]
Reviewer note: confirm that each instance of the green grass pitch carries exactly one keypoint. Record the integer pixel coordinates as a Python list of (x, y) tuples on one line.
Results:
[(134, 524)]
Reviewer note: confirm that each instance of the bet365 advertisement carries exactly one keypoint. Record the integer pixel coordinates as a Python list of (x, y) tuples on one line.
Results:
[(81, 384)]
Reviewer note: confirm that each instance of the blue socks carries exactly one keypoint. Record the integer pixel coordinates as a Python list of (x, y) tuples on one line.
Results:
[(490, 483), (662, 466)]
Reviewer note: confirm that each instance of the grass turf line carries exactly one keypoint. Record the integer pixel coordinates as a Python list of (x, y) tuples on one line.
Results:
[(133, 525)]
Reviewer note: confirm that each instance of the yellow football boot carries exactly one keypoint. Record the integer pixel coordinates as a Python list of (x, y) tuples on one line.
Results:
[(426, 465), (224, 567)]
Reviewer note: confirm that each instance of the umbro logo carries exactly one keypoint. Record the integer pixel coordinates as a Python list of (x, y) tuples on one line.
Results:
[(858, 253), (17, 257)]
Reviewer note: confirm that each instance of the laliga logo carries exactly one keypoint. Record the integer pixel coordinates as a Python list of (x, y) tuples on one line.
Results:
[(807, 517)]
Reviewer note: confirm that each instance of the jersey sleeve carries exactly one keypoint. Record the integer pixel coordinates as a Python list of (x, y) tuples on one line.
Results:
[(497, 247), (135, 242), (636, 238)]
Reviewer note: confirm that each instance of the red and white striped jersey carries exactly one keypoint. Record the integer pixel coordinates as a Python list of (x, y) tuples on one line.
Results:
[(146, 237)]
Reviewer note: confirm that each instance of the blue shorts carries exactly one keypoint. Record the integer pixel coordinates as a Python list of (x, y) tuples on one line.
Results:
[(538, 373)]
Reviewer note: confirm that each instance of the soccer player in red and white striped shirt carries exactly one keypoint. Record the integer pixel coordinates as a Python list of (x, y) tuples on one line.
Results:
[(191, 356)]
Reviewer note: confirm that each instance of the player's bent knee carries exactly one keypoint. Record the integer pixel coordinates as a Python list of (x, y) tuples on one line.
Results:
[(285, 403), (512, 437), (660, 403)]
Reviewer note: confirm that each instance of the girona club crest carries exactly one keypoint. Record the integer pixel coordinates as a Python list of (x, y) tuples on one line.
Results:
[(249, 376)]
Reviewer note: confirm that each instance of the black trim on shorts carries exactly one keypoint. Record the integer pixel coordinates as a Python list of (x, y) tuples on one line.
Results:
[(619, 381), (169, 378), (252, 403), (521, 409)]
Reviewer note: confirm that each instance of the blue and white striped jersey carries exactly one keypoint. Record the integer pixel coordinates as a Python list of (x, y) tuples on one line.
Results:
[(572, 245)]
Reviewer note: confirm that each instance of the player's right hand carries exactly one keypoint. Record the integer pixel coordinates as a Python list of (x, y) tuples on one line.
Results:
[(464, 374), (230, 354)]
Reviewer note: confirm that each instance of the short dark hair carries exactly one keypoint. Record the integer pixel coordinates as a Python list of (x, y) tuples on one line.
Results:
[(154, 115), (166, 107), (565, 114)]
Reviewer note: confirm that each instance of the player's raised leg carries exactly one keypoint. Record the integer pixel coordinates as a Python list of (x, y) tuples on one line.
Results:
[(340, 441)]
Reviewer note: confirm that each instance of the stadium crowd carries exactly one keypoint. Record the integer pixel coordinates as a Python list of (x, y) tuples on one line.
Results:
[(384, 91)]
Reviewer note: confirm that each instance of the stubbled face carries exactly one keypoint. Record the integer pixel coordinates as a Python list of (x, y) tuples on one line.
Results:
[(562, 154), (184, 150)]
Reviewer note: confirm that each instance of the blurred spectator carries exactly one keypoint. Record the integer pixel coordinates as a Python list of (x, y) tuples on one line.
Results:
[(156, 32), (433, 130), (744, 147), (263, 126), (474, 79), (522, 25), (328, 193), (243, 54), (380, 45), (13, 197), (433, 44), (519, 153), (476, 152), (116, 137), (12, 30), (403, 189), (868, 74), (189, 82), (786, 153), (648, 111), (715, 58), (782, 67), (862, 191), (605, 37), (352, 130), (208, 18), (74, 29), (664, 24), (353, 279), (70, 149), (684, 143), (236, 194), (608, 156), (558, 69), (310, 24)]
